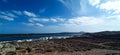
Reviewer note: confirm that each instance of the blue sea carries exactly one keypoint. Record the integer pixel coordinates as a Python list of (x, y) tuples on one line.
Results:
[(12, 38)]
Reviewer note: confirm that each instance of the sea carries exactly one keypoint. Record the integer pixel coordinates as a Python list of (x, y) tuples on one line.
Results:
[(34, 37)]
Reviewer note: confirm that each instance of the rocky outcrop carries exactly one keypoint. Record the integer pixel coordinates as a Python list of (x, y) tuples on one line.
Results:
[(6, 48)]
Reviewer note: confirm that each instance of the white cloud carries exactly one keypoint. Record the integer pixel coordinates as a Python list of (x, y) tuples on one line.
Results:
[(57, 19), (34, 24), (11, 15), (46, 20), (82, 24), (71, 24), (39, 25), (30, 14), (38, 20), (54, 20), (112, 7), (86, 21), (7, 15), (77, 25), (6, 18), (17, 12), (61, 19), (94, 2), (92, 23)]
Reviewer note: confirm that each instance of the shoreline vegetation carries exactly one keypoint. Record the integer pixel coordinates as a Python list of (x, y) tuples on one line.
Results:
[(100, 43)]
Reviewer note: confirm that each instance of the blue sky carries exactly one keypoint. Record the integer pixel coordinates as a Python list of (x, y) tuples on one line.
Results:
[(45, 16)]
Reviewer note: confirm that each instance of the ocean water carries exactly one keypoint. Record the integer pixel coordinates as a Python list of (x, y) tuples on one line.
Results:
[(49, 36)]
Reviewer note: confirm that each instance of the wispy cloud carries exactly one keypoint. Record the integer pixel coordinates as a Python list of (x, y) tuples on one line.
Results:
[(34, 24), (110, 7), (38, 20), (92, 24), (30, 14), (75, 22), (83, 23), (41, 22), (7, 16), (94, 2), (6, 13), (57, 19), (11, 15), (17, 12), (50, 20), (54, 20), (73, 6), (39, 25), (86, 21), (66, 3)]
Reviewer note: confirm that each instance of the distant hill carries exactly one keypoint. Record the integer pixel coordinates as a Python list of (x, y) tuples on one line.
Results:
[(104, 34)]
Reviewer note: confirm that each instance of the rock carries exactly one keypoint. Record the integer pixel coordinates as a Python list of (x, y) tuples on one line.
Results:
[(6, 47)]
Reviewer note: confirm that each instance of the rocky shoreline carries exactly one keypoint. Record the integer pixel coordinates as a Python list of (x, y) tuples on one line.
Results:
[(47, 46), (78, 45)]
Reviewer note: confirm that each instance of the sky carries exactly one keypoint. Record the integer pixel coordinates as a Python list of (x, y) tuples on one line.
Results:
[(50, 16)]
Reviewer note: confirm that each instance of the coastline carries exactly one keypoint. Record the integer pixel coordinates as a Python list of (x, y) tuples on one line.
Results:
[(42, 38), (85, 44)]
